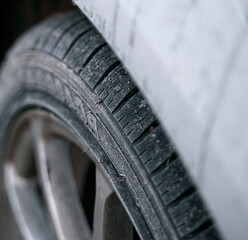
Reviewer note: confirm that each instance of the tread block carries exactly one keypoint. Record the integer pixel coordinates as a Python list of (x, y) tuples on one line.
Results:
[(59, 32), (172, 181), (209, 234), (189, 214), (48, 28), (138, 124), (101, 63), (69, 38), (135, 116), (83, 48), (154, 149), (115, 87)]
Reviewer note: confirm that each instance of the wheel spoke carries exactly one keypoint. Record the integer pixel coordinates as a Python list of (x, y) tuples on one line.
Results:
[(21, 157), (26, 205), (58, 183), (110, 218), (21, 186)]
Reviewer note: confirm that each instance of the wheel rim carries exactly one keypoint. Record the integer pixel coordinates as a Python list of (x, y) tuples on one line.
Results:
[(44, 185)]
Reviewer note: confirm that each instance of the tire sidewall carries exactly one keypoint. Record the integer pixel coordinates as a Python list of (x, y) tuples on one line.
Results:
[(36, 80)]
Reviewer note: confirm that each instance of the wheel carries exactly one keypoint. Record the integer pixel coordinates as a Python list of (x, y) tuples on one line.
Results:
[(83, 155)]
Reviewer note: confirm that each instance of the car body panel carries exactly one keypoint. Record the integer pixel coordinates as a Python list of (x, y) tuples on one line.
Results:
[(189, 58)]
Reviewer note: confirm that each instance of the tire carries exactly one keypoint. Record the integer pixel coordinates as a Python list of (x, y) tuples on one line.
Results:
[(65, 67)]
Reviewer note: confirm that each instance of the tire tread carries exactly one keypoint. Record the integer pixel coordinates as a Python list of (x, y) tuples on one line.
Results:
[(73, 39)]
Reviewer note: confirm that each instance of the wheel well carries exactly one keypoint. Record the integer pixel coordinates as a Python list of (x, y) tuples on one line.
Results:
[(17, 16)]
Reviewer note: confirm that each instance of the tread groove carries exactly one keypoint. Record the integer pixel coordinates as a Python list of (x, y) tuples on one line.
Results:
[(200, 229), (67, 17), (167, 161), (75, 40), (67, 30), (147, 131), (106, 73), (185, 194), (125, 99), (93, 54)]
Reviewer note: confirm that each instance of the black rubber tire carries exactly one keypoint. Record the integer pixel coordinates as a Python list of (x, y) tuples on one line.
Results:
[(64, 66)]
